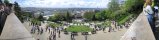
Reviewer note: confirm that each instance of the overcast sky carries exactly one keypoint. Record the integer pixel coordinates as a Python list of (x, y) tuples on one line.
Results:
[(63, 3)]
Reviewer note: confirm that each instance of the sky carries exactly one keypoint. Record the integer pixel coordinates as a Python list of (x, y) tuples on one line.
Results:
[(63, 3)]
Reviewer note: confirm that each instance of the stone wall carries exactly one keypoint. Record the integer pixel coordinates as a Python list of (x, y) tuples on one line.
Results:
[(139, 30)]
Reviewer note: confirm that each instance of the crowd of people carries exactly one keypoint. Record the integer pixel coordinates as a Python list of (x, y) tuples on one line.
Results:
[(40, 30), (51, 31)]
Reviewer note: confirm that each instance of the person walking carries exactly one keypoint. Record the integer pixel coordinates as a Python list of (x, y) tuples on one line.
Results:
[(59, 33), (113, 26), (149, 14)]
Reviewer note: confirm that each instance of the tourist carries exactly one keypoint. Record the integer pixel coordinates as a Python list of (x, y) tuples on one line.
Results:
[(113, 26), (110, 28), (54, 36), (59, 33), (126, 25), (38, 29), (46, 28), (32, 29), (149, 13), (51, 33), (41, 30), (71, 37), (49, 29), (50, 38), (156, 11), (104, 28)]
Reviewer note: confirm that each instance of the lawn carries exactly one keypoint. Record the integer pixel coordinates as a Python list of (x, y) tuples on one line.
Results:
[(78, 29)]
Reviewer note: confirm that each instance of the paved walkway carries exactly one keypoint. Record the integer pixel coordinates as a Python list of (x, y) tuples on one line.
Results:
[(99, 36), (15, 30)]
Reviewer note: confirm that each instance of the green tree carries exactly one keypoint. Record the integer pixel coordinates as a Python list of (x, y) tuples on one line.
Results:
[(41, 18), (18, 12), (6, 2), (89, 15), (113, 5), (68, 16), (133, 6), (98, 16), (56, 17), (109, 13)]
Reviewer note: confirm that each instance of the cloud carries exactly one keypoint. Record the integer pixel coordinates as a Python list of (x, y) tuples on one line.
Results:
[(63, 3)]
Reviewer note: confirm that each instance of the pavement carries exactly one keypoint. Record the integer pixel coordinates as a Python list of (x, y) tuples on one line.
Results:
[(15, 30), (99, 36)]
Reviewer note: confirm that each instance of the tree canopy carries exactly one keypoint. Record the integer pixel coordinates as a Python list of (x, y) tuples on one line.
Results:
[(60, 17), (89, 15)]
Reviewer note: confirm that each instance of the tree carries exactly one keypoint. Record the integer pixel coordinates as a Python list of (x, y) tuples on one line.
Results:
[(68, 16), (112, 8), (113, 5), (89, 15), (56, 17), (133, 6), (98, 16), (6, 2), (17, 7), (41, 18), (18, 11), (107, 14)]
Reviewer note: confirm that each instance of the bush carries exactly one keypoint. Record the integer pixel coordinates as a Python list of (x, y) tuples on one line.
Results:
[(124, 19)]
